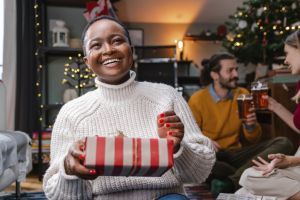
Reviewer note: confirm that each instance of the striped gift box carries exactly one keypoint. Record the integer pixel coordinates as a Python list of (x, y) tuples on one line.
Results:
[(123, 156)]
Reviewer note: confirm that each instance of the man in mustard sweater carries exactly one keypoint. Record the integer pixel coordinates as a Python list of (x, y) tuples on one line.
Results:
[(236, 141)]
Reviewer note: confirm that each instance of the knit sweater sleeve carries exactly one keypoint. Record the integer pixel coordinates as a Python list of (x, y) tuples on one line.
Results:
[(196, 157), (57, 184), (252, 135)]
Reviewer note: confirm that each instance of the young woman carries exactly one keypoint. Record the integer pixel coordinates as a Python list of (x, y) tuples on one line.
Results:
[(281, 176), (138, 109)]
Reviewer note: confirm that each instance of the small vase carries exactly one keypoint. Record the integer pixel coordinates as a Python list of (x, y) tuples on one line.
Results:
[(69, 94)]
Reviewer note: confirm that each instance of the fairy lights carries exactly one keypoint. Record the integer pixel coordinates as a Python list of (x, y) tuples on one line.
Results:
[(77, 75), (258, 28)]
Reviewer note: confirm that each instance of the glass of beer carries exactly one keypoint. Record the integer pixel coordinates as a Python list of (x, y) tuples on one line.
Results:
[(260, 95), (245, 103)]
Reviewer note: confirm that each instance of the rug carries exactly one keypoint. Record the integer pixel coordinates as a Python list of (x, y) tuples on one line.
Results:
[(198, 192), (193, 192), (25, 196)]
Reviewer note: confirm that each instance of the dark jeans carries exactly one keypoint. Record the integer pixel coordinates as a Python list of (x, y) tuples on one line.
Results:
[(232, 164), (173, 196)]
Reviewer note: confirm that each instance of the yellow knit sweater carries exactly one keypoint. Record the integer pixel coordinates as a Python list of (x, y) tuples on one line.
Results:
[(220, 121)]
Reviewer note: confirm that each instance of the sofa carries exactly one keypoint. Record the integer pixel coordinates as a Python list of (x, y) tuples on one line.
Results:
[(15, 151)]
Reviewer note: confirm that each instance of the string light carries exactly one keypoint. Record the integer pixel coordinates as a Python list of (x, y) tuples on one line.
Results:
[(77, 74), (40, 43), (273, 21)]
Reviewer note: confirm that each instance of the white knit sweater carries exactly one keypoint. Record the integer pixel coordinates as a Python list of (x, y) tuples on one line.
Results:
[(132, 108)]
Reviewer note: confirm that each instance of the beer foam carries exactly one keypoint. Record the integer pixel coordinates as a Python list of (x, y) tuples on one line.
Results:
[(244, 97), (259, 86)]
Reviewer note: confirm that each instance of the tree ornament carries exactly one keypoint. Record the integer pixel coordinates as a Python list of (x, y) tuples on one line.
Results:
[(221, 31), (276, 33), (267, 20), (230, 36), (259, 11), (254, 27), (242, 24)]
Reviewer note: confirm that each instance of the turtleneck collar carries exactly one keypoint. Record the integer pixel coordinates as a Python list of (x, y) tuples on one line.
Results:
[(115, 93)]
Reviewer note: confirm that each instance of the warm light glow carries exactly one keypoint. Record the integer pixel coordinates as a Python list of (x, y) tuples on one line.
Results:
[(180, 44)]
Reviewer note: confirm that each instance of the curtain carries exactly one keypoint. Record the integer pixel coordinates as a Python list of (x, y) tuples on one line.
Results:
[(9, 61), (26, 100)]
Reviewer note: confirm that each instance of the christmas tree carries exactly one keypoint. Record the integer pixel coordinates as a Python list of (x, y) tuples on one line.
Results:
[(77, 75), (256, 31)]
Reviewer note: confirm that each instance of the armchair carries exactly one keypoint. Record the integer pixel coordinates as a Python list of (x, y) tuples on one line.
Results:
[(15, 151)]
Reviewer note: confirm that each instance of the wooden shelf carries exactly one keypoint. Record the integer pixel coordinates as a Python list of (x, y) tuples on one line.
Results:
[(194, 80), (213, 37), (60, 51), (52, 106), (68, 3)]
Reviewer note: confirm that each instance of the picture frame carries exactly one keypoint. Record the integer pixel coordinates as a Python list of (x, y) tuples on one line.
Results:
[(137, 36)]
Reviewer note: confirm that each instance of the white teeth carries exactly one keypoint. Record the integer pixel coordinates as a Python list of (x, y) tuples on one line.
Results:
[(106, 62)]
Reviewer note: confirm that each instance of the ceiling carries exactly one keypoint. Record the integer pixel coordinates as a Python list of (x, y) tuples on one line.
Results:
[(176, 11)]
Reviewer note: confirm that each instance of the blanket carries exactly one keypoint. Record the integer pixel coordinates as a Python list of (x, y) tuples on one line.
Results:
[(14, 151)]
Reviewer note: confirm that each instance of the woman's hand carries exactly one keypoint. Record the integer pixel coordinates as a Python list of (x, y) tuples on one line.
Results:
[(216, 146), (74, 162), (170, 126), (277, 161)]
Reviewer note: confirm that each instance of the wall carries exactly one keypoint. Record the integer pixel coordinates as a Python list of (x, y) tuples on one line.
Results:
[(166, 34), (154, 33)]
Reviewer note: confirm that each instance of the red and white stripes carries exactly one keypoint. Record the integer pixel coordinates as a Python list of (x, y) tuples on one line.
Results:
[(122, 156)]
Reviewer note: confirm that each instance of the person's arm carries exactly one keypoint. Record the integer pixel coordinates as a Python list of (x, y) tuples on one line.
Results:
[(57, 184), (251, 128), (278, 160), (294, 161), (198, 117), (196, 156), (283, 113)]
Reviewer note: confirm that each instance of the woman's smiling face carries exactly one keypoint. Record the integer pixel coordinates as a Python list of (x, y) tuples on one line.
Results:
[(292, 58), (108, 52)]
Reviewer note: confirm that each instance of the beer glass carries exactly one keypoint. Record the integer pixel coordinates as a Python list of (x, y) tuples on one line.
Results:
[(245, 103), (260, 95)]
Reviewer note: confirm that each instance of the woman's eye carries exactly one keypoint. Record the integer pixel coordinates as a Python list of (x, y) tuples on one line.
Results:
[(95, 46), (117, 41)]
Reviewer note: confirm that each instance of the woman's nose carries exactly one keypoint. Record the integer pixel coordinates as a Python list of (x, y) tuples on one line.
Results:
[(107, 48)]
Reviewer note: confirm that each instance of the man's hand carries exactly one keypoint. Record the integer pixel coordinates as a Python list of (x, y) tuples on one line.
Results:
[(170, 126), (251, 118)]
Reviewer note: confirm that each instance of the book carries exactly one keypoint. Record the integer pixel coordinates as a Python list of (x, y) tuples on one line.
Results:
[(227, 196)]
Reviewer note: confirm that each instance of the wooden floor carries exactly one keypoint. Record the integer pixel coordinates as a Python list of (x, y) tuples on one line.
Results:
[(31, 184)]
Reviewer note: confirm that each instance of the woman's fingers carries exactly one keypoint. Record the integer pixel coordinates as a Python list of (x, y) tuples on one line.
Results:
[(178, 125), (167, 117), (263, 161), (257, 163), (176, 133)]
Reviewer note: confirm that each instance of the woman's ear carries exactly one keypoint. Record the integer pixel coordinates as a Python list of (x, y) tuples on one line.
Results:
[(86, 61)]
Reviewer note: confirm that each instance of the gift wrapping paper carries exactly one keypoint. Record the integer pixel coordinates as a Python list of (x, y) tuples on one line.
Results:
[(123, 156)]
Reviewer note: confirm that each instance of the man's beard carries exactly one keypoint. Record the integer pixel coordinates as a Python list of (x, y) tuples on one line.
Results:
[(225, 84)]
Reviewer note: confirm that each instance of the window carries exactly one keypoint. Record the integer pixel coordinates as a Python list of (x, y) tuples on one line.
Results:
[(1, 36)]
